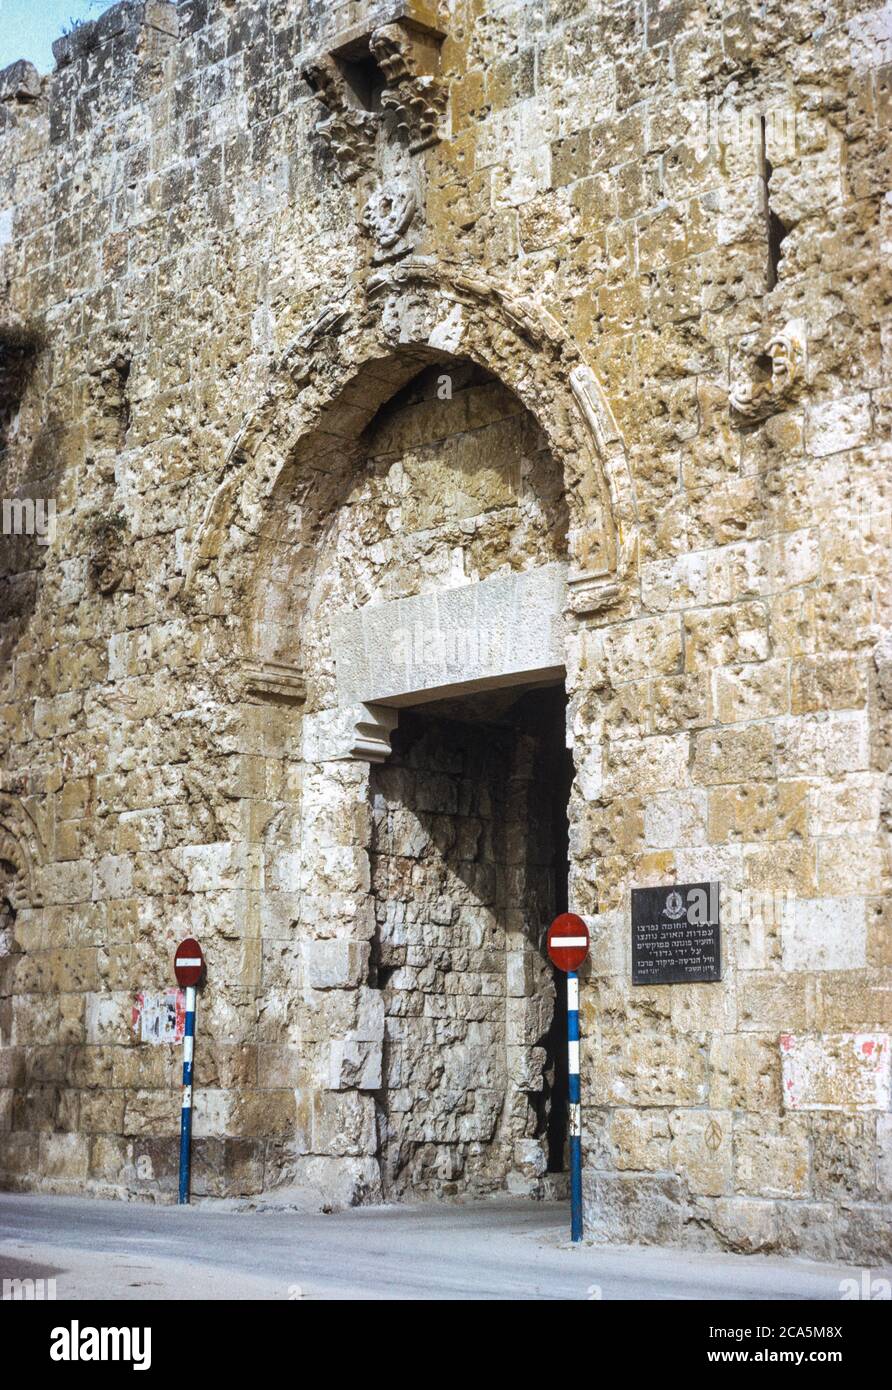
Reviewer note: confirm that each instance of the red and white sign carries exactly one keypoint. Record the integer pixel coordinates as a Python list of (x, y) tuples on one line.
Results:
[(188, 962), (568, 941)]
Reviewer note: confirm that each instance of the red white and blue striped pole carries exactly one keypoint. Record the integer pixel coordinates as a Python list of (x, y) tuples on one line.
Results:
[(186, 1111), (568, 943), (575, 1106)]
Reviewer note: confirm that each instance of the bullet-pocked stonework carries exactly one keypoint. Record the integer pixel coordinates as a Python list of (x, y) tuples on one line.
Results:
[(445, 469)]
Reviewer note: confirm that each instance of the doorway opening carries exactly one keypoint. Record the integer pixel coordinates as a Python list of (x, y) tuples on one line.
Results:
[(469, 866)]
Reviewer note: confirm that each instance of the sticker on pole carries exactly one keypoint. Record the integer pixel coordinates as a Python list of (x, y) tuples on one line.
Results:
[(568, 941), (188, 962)]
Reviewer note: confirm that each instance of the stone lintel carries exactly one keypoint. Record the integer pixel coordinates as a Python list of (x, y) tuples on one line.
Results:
[(535, 676), (502, 631)]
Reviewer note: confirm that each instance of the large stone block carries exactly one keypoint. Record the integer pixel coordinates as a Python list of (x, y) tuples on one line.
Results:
[(650, 1069), (844, 1156), (335, 964), (635, 1208), (228, 1167), (837, 1071), (746, 1224), (734, 755), (336, 1182), (640, 1140), (64, 1156), (745, 1073), (355, 1064), (701, 1150), (771, 1156), (278, 1114), (824, 934), (343, 1124)]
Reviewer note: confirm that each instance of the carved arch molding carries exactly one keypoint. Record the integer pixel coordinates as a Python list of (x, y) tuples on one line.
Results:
[(303, 438), (18, 859)]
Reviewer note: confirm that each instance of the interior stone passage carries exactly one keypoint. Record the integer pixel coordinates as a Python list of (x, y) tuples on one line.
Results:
[(468, 865)]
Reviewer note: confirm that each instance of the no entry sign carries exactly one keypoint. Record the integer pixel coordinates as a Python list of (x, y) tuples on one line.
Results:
[(188, 962), (568, 941)]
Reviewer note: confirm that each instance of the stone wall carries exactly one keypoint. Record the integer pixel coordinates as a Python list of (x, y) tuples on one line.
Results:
[(230, 234)]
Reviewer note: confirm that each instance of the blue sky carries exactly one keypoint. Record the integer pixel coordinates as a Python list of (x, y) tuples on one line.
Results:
[(28, 27)]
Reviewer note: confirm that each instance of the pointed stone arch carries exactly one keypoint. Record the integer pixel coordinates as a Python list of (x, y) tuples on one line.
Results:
[(301, 443)]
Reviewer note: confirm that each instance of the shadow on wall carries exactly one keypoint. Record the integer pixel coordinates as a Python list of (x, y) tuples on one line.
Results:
[(29, 475)]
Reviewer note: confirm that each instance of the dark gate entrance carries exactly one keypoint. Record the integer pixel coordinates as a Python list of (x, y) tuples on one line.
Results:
[(469, 865)]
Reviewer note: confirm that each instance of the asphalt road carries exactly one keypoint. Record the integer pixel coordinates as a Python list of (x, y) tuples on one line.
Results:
[(500, 1249)]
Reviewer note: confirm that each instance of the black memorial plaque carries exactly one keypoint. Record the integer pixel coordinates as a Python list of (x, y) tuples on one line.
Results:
[(676, 938)]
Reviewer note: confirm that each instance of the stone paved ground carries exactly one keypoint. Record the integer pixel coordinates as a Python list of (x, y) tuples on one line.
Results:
[(499, 1249)]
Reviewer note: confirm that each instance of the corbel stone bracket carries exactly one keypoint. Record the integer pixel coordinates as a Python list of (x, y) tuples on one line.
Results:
[(274, 680), (348, 131), (755, 396), (589, 594), (373, 730), (409, 58), (357, 732)]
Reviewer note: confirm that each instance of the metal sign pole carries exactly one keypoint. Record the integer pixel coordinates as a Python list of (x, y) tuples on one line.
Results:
[(188, 965), (186, 1112), (568, 943), (575, 1106)]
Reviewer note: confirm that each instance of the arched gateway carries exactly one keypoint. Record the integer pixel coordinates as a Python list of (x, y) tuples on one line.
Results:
[(430, 495)]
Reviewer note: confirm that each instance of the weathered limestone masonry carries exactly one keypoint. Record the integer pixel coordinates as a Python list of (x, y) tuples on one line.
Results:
[(387, 365)]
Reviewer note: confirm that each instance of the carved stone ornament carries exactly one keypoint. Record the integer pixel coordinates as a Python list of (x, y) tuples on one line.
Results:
[(109, 552), (766, 381), (372, 734), (413, 96), (416, 98), (348, 131), (275, 681), (389, 214), (18, 880)]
